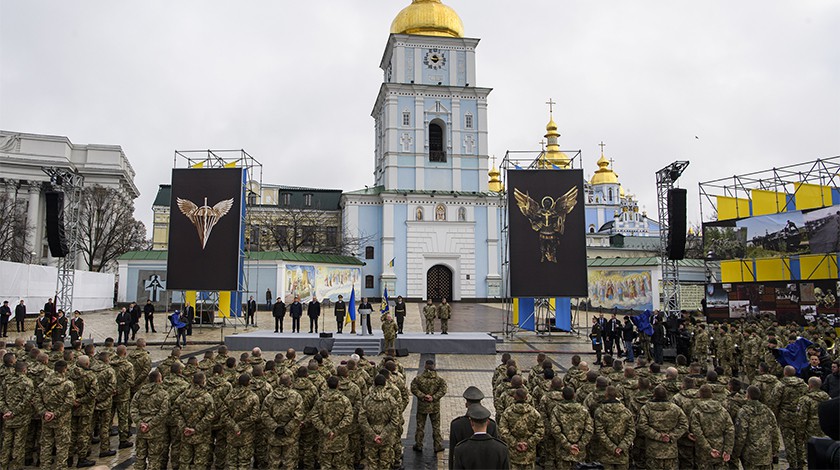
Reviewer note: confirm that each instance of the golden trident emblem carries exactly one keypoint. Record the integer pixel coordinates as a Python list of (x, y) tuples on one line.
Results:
[(204, 218)]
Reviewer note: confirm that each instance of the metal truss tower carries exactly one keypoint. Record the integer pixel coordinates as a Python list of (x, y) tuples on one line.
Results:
[(665, 179), (71, 184)]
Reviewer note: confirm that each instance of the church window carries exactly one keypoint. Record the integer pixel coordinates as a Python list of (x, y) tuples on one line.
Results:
[(462, 214), (368, 252), (307, 200), (406, 118), (440, 212), (368, 282), (436, 149), (468, 121), (609, 194), (591, 229)]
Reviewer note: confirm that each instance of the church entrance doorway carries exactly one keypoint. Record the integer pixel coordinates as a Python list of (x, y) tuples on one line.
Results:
[(439, 283)]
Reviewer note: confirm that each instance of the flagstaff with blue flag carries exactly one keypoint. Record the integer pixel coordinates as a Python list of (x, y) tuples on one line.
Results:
[(351, 312), (794, 354), (385, 308)]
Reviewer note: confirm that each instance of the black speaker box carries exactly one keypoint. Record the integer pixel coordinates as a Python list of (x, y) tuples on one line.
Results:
[(325, 335), (310, 350), (402, 352), (676, 221), (55, 224)]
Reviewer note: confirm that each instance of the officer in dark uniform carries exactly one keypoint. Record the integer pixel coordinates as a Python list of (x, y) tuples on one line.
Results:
[(399, 312), (481, 450), (340, 310), (460, 428)]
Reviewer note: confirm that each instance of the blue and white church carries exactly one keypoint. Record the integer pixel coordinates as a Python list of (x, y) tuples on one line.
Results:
[(429, 226)]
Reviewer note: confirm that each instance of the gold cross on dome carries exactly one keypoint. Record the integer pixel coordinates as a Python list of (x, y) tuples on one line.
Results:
[(550, 104), (602, 145), (542, 144)]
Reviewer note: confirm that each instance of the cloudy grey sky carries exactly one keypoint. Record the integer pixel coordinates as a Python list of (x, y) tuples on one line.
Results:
[(293, 83)]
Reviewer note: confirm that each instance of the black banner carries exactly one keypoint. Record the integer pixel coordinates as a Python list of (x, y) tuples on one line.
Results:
[(205, 227), (547, 234)]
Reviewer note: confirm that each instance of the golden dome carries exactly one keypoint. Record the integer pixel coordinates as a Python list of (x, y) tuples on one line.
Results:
[(604, 174), (553, 157), (495, 184), (620, 190), (428, 18)]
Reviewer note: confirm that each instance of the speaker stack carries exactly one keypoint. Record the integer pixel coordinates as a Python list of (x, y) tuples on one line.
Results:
[(55, 224), (676, 221)]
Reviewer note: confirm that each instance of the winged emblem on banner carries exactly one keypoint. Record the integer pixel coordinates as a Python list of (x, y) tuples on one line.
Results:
[(548, 218), (204, 218)]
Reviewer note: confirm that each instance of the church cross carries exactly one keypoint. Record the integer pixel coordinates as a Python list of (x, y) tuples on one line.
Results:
[(550, 104), (602, 145), (542, 143)]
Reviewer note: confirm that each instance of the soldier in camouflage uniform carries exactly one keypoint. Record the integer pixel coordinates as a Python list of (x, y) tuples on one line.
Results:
[(615, 430), (166, 365), (389, 331), (142, 363), (194, 412), (219, 388), (332, 416), (106, 384), (429, 388), (700, 345), (712, 431), (571, 428), (282, 415), (206, 364), (756, 439), (785, 402), (766, 383), (17, 404), (381, 424), (122, 400), (84, 381), (396, 388), (550, 399), (149, 409), (522, 428), (430, 313), (191, 368), (686, 400), (359, 376), (175, 386), (350, 390), (243, 413), (661, 424), (231, 375), (261, 387), (444, 313), (57, 396), (501, 370), (725, 350), (809, 423), (308, 435)]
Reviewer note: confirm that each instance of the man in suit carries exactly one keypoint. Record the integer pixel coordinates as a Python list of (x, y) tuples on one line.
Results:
[(189, 318), (251, 310), (296, 311), (20, 316), (366, 310), (135, 319), (5, 316), (481, 450), (123, 321), (49, 308), (149, 316), (460, 428), (268, 299), (278, 311), (313, 310), (614, 329)]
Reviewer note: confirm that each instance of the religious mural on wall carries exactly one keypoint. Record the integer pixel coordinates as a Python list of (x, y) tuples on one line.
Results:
[(324, 282), (623, 289), (300, 281)]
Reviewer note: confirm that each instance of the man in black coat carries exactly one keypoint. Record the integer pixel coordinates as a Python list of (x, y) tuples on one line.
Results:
[(268, 299), (340, 310), (251, 310), (659, 338), (313, 310), (367, 309), (831, 384), (460, 428), (481, 450), (123, 321), (149, 316), (136, 313), (614, 331), (20, 316), (49, 308), (278, 311), (399, 312), (296, 311), (188, 317), (59, 332), (5, 316)]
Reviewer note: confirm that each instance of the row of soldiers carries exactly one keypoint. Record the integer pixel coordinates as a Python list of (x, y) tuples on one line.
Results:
[(645, 417)]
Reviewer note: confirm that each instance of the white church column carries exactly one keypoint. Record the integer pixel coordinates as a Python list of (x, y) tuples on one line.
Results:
[(457, 143), (32, 239)]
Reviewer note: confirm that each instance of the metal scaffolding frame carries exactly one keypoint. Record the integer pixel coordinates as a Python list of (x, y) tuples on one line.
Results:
[(525, 160), (70, 183), (665, 180)]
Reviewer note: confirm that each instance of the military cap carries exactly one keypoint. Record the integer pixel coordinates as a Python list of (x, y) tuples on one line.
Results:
[(478, 412), (473, 394)]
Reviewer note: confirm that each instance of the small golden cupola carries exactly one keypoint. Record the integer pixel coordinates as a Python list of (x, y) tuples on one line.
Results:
[(428, 18), (495, 183), (604, 174), (552, 156)]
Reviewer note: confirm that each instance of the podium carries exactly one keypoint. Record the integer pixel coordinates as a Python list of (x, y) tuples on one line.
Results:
[(364, 314)]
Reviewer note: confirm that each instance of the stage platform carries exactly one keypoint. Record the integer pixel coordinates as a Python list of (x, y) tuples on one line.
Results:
[(452, 343)]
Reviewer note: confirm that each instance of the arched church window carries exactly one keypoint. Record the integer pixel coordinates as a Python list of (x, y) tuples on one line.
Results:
[(468, 121), (591, 229), (609, 194), (368, 252), (462, 214), (418, 214), (440, 212), (406, 118), (368, 282), (436, 147)]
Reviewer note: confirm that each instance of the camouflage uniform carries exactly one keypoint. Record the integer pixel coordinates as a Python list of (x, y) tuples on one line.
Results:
[(713, 429), (569, 424), (614, 428), (428, 383), (521, 423), (686, 400), (352, 392), (84, 380), (243, 407), (151, 406), (809, 423), (106, 384), (756, 439), (194, 409), (219, 389), (175, 386), (430, 313), (308, 435), (655, 419), (379, 416), (574, 377), (550, 399), (165, 366), (122, 400), (766, 383), (389, 331), (57, 396), (700, 349), (139, 359), (635, 405), (261, 387), (282, 414), (362, 379), (786, 397), (726, 352), (444, 313), (17, 397), (733, 404), (333, 414)]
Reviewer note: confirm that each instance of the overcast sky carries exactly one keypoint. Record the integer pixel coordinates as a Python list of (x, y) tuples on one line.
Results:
[(293, 83)]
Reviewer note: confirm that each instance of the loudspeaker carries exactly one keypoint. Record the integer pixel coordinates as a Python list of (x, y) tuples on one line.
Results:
[(402, 352), (676, 220), (55, 224), (325, 335), (310, 351)]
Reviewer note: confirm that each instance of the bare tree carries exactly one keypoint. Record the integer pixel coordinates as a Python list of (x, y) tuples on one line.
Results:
[(107, 227), (302, 230), (15, 229)]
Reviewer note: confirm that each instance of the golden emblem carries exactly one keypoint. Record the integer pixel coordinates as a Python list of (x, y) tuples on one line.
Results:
[(204, 218), (547, 218)]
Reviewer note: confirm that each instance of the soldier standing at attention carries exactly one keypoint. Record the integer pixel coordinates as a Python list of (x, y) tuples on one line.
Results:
[(430, 313), (444, 313), (139, 358), (381, 424), (57, 396), (661, 423), (106, 382), (460, 428), (166, 365), (481, 450), (175, 385), (712, 430), (243, 407), (219, 389), (194, 412), (521, 426), (340, 311), (785, 399), (260, 386), (332, 416), (429, 388), (353, 393), (756, 439), (615, 430), (149, 409), (399, 311), (17, 407), (808, 416), (389, 331), (282, 415), (570, 428), (122, 400), (308, 434), (84, 380)]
